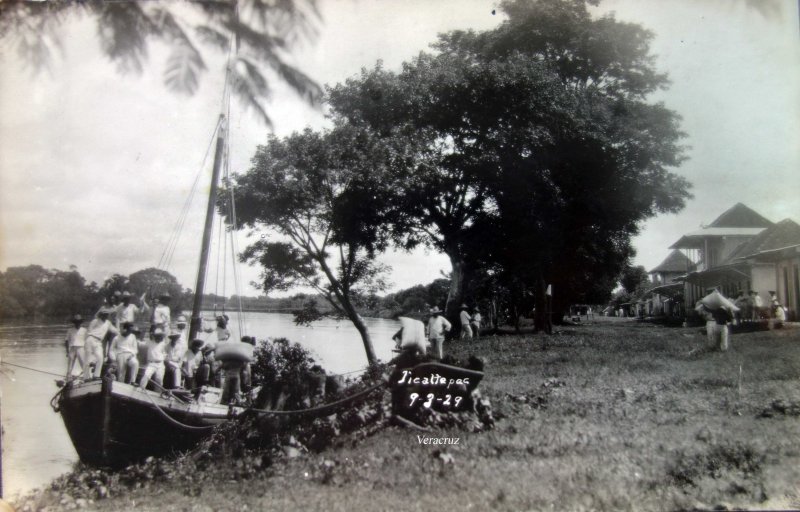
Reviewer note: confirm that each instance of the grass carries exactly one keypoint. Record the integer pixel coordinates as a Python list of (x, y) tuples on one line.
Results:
[(612, 416)]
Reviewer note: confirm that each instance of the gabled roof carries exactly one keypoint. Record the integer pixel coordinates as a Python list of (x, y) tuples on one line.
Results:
[(740, 216), (676, 261), (694, 240), (783, 234)]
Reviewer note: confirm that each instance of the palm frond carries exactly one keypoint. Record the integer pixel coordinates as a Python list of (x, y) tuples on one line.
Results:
[(250, 87), (184, 65), (213, 37), (302, 84), (291, 19), (261, 42), (123, 28)]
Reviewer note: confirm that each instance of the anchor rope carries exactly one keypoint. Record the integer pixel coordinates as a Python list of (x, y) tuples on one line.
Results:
[(32, 369)]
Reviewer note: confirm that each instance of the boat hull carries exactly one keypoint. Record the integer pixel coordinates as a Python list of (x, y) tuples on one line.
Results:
[(113, 424)]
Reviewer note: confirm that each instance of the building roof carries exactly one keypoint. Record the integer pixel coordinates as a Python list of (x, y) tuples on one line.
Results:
[(740, 216), (694, 240), (676, 261), (784, 234)]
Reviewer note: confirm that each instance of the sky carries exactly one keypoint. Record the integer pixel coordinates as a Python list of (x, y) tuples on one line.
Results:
[(95, 165)]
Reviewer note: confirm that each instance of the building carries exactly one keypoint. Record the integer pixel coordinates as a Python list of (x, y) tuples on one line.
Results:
[(665, 296), (742, 251)]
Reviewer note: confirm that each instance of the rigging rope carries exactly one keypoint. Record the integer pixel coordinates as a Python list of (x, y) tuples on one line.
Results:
[(169, 249)]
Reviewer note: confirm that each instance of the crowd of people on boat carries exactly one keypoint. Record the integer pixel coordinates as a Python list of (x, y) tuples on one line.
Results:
[(114, 344)]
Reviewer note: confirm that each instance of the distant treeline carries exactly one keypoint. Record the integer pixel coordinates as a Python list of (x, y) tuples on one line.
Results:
[(34, 291)]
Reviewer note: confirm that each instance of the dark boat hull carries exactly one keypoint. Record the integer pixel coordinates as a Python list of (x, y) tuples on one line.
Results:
[(113, 424)]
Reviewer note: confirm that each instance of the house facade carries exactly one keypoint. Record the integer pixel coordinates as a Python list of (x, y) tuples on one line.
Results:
[(665, 295), (742, 251)]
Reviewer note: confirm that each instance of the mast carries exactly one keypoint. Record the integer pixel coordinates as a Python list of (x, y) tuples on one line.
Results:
[(206, 244)]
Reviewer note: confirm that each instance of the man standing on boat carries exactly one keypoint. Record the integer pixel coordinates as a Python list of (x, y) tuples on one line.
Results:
[(123, 351), (222, 332), (161, 313), (75, 341), (97, 331), (126, 312), (181, 329)]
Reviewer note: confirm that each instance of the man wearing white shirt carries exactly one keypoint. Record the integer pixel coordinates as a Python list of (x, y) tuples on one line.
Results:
[(161, 313), (75, 341), (466, 330), (175, 351), (98, 328), (123, 350), (191, 362), (180, 328), (126, 312), (437, 327), (156, 354)]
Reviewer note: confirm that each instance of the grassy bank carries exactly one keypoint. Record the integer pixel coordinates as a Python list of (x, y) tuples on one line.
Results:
[(615, 415)]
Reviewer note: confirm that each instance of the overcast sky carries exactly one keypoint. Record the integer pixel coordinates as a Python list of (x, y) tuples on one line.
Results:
[(95, 166)]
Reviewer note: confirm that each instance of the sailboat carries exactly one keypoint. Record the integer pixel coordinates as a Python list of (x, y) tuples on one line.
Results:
[(112, 424)]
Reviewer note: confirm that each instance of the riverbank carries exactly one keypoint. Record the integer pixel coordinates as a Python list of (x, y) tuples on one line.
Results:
[(613, 415)]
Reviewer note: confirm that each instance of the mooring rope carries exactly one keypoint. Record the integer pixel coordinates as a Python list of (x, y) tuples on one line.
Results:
[(33, 369), (318, 408), (173, 420)]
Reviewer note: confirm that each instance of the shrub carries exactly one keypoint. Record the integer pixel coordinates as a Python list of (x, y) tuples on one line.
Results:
[(281, 364)]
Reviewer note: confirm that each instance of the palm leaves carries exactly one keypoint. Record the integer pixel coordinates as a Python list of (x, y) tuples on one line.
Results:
[(262, 32)]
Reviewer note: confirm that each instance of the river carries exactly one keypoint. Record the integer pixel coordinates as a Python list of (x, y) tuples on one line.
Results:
[(36, 447)]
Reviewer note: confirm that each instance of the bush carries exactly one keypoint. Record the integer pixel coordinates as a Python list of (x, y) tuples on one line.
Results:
[(280, 361)]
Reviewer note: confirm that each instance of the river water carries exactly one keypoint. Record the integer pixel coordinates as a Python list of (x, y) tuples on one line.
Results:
[(36, 447)]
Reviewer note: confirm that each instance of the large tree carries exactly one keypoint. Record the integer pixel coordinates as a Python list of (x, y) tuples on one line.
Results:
[(154, 282), (535, 146), (319, 198)]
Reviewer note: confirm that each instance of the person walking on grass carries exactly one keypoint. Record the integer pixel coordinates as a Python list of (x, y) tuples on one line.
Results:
[(475, 323), (438, 326), (75, 341), (717, 320), (466, 329)]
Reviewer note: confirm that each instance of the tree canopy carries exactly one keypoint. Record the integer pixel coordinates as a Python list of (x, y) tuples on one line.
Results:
[(320, 196), (536, 152)]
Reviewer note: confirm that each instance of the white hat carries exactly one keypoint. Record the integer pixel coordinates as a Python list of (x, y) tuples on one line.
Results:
[(181, 319)]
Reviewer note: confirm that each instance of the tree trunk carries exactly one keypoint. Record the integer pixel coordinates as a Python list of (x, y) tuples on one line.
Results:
[(455, 296), (543, 305), (343, 297), (361, 327)]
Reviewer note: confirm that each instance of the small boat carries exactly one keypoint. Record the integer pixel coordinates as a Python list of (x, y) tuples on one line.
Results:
[(113, 424)]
